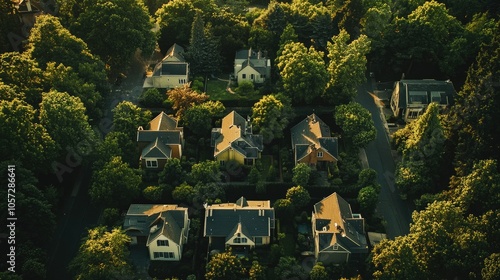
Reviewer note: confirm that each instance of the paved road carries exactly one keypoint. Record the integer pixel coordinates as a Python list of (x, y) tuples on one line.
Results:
[(393, 210)]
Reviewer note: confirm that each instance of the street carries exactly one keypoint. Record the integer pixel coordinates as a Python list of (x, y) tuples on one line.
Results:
[(391, 207)]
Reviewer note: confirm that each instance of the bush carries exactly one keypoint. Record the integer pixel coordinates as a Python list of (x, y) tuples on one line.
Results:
[(153, 193), (151, 98), (245, 88), (111, 217), (197, 84), (254, 175)]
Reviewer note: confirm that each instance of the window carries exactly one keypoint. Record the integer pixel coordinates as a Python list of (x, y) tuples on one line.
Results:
[(436, 97), (335, 247), (262, 76), (237, 240), (244, 240), (182, 81), (252, 76), (244, 76), (152, 163), (417, 97), (258, 240), (162, 242), (165, 255), (320, 154), (222, 162)]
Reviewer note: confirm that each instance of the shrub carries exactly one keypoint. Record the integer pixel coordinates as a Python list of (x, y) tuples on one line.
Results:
[(151, 98), (153, 193), (245, 88)]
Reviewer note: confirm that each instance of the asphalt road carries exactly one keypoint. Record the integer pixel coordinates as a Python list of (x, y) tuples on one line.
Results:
[(391, 207)]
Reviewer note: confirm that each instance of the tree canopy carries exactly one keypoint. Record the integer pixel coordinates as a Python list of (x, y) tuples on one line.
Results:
[(356, 123), (270, 116), (183, 98), (224, 266)]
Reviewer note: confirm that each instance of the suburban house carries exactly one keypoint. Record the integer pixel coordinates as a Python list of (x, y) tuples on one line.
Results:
[(172, 71), (312, 142), (410, 97), (251, 66), (337, 232), (163, 140), (241, 225), (162, 228), (235, 141)]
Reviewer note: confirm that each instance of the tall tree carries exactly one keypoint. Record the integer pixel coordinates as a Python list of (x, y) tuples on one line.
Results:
[(172, 174), (301, 174), (127, 117), (270, 116), (116, 185), (115, 30), (199, 117), (9, 23), (205, 172), (356, 123), (203, 52), (347, 67), (175, 20), (303, 72), (183, 98), (23, 138), (103, 255), (298, 196), (64, 118)]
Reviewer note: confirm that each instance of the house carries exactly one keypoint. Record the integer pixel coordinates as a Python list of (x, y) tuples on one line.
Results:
[(235, 141), (171, 72), (251, 66), (162, 141), (244, 224), (162, 228), (410, 97), (312, 142), (337, 232)]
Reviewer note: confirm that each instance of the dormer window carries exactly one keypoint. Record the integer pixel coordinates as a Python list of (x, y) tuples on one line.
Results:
[(320, 154)]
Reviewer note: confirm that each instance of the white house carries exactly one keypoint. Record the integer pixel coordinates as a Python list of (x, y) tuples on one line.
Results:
[(251, 66), (162, 228), (171, 72)]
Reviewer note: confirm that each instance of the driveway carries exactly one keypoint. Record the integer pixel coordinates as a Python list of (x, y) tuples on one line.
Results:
[(391, 207)]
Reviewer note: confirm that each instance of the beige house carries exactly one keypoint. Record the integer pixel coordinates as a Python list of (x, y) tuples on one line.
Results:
[(163, 140), (235, 141), (251, 66), (312, 142), (244, 224), (338, 233), (162, 228), (410, 98), (171, 72)]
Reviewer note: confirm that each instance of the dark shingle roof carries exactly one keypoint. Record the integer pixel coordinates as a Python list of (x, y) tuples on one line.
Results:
[(174, 69), (406, 87), (156, 149), (166, 137)]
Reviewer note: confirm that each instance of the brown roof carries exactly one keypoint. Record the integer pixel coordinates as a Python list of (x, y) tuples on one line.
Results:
[(163, 122), (315, 133)]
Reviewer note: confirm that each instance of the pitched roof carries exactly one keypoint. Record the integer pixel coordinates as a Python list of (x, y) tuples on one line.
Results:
[(256, 218), (169, 224), (157, 149), (174, 69), (237, 134), (163, 131), (173, 63), (424, 92), (335, 224), (141, 217), (313, 132), (163, 122)]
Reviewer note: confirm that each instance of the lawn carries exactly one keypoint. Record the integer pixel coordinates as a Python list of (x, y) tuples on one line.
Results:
[(216, 89)]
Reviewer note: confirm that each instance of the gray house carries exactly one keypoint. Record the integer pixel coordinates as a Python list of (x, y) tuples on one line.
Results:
[(338, 233), (410, 97)]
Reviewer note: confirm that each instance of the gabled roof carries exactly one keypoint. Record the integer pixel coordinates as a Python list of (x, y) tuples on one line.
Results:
[(163, 131), (419, 92), (141, 217), (335, 224), (163, 122), (175, 51), (173, 63), (259, 66), (254, 218), (169, 224), (310, 133), (157, 149), (236, 133)]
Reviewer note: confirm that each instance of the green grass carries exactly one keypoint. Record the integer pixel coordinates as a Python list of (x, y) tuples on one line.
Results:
[(216, 89)]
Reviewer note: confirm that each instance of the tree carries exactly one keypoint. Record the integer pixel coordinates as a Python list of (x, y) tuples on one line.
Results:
[(356, 123), (257, 271), (184, 192), (49, 41), (65, 120), (153, 193), (198, 118), (288, 36), (422, 146), (254, 175), (22, 138), (270, 116), (301, 173), (303, 72), (224, 266), (115, 185), (183, 98), (318, 272), (368, 177), (23, 75), (283, 208), (347, 67), (288, 268), (8, 93), (115, 30), (367, 199), (203, 52), (491, 270), (9, 22), (298, 196), (205, 172), (127, 117), (208, 193), (103, 255), (172, 174), (175, 20), (151, 98)]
